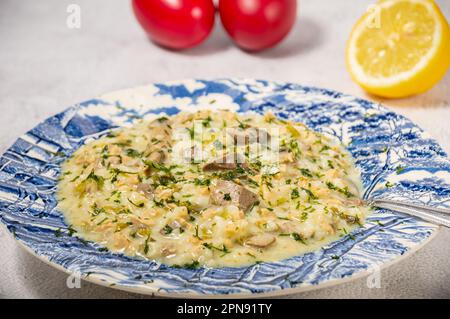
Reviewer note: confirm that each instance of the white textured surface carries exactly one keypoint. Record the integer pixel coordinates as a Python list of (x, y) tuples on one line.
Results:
[(44, 67)]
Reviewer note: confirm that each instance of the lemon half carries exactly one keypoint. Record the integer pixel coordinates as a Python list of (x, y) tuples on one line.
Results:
[(399, 48)]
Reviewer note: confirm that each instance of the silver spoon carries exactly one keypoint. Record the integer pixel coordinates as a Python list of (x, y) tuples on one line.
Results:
[(438, 216)]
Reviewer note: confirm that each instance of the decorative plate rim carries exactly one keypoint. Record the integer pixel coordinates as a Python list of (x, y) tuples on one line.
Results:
[(244, 295), (153, 291)]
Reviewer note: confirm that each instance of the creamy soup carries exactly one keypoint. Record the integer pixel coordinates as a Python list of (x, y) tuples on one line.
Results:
[(212, 188)]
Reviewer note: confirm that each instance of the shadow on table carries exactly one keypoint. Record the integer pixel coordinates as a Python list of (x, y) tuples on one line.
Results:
[(305, 36), (48, 282), (437, 97), (398, 281)]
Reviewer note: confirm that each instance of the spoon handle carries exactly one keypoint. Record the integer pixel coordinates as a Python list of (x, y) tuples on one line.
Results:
[(439, 216)]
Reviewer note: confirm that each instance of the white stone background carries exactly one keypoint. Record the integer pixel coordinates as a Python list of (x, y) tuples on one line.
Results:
[(45, 67)]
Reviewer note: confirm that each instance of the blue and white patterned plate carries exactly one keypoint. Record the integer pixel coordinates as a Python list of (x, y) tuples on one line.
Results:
[(397, 160)]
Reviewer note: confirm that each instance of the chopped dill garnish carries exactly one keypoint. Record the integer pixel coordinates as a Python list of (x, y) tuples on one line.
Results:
[(306, 172), (202, 182), (140, 205), (343, 191), (97, 210), (295, 193), (224, 249), (324, 148), (133, 153), (242, 125), (389, 184), (97, 179), (193, 265), (162, 119), (207, 122), (167, 230), (399, 169), (146, 247), (310, 193)]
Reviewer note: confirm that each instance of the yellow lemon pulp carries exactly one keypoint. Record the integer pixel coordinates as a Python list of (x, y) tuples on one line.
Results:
[(399, 48)]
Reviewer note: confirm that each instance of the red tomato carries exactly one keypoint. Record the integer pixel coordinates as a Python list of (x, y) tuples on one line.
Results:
[(258, 24), (176, 24)]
